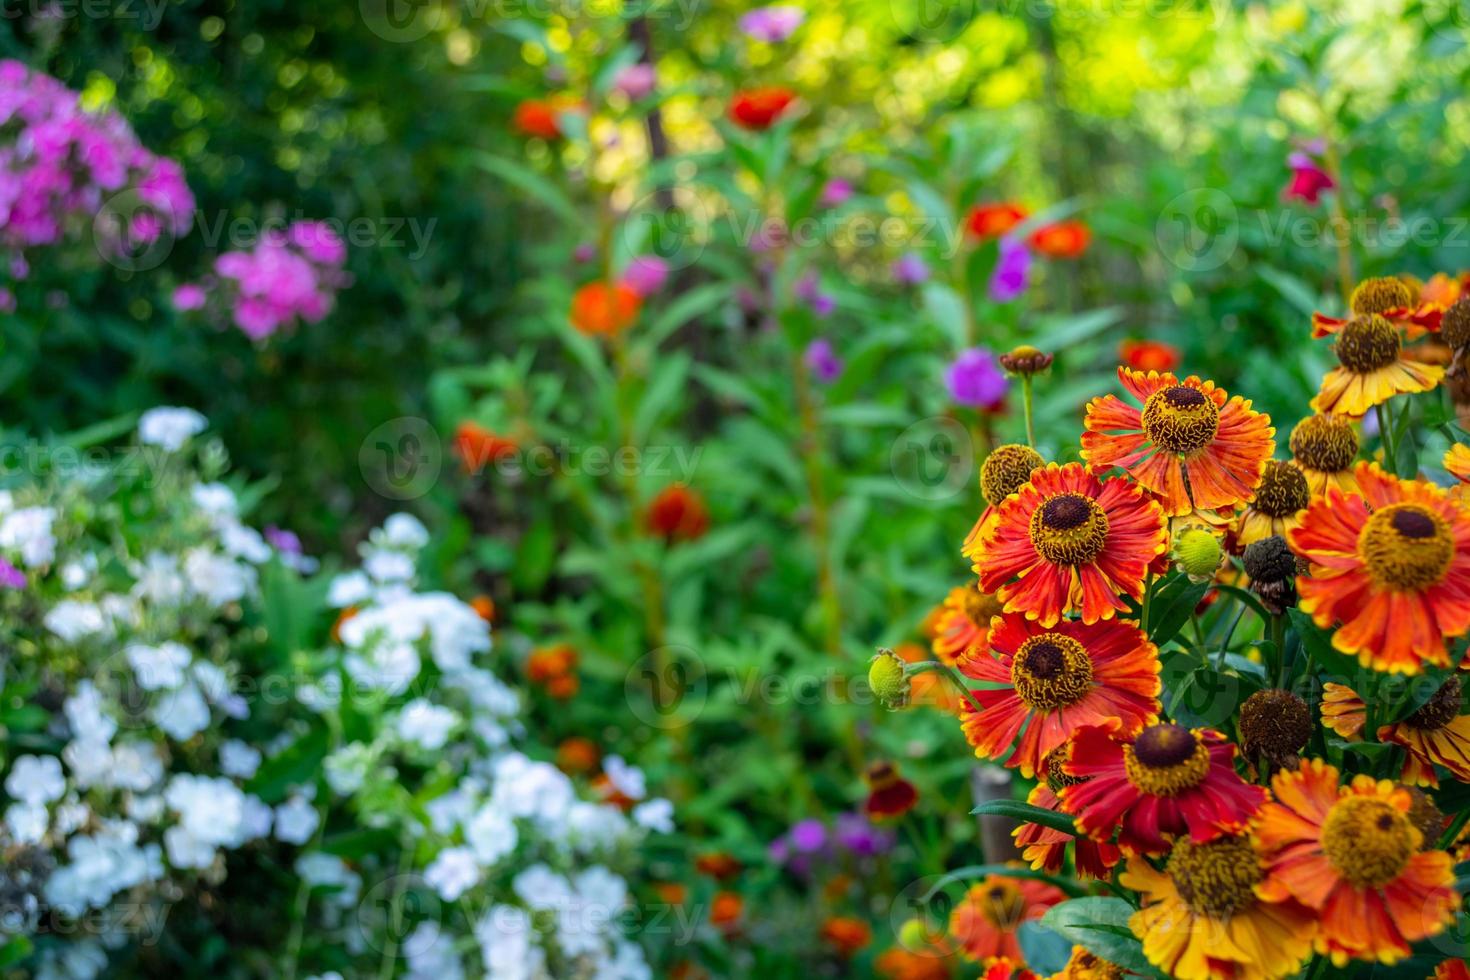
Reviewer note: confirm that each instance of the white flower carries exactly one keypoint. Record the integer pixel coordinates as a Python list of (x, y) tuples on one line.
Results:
[(541, 888), (71, 620), (80, 960), (537, 790), (347, 768), (627, 780), (431, 954), (296, 821), (216, 578), (35, 779), (159, 668), (244, 542), (453, 872), (321, 870), (626, 963), (403, 531), (349, 589), (215, 499), (71, 816), (492, 834), (257, 820), (78, 572), (426, 724), (238, 759), (210, 809), (656, 815), (145, 809), (136, 766), (159, 579), (388, 566), (101, 865), (26, 822), (85, 716), (181, 713), (448, 811), (507, 945), (187, 851), (594, 826), (90, 761), (170, 427), (28, 532)]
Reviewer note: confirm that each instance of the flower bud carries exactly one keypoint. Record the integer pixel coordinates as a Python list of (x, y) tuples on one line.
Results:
[(889, 679), (1025, 361), (1198, 553)]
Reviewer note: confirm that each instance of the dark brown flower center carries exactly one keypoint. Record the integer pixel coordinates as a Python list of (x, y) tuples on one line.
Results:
[(1368, 343), (1006, 470), (1050, 671), (1368, 840), (1380, 295), (1180, 419), (1283, 490), (1406, 547), (1217, 878), (1439, 710), (1324, 443), (1069, 529), (1166, 760)]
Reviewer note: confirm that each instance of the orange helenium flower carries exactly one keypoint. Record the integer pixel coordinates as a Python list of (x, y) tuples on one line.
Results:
[(889, 794), (758, 108), (1186, 430), (1046, 848), (984, 922), (994, 219), (1201, 917), (1167, 782), (542, 117), (1396, 577), (1084, 965), (1063, 240), (1434, 734), (678, 514), (476, 446), (1352, 855), (1372, 368), (1067, 542), (603, 309), (1055, 680), (846, 935), (1343, 712), (1148, 355), (961, 629)]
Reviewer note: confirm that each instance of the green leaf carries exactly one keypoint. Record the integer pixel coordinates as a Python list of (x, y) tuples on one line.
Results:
[(1069, 885), (532, 183), (297, 764), (689, 306), (1026, 813), (1100, 924), (1172, 606)]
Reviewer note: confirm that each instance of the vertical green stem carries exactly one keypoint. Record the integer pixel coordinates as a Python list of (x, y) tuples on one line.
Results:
[(1026, 405), (1385, 436)]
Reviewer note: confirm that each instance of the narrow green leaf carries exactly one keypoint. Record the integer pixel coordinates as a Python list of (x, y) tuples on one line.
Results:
[(1026, 813)]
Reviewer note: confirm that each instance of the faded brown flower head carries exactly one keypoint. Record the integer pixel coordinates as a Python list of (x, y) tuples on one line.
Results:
[(1026, 360)]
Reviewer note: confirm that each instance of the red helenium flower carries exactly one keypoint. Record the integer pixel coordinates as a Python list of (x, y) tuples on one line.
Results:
[(759, 108)]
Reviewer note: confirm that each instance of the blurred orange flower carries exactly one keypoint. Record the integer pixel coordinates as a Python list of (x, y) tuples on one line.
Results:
[(678, 514), (554, 668), (725, 910), (846, 935), (541, 117), (994, 218), (484, 607), (476, 446), (1063, 240), (759, 108), (577, 755), (602, 309), (718, 865), (1149, 355)]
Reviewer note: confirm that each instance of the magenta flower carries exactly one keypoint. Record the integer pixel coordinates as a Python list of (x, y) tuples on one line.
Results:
[(1012, 271), (975, 380), (646, 275), (189, 297), (585, 252), (1308, 179), (822, 360), (10, 576), (910, 270), (835, 193), (637, 81), (772, 24), (7, 300), (808, 289)]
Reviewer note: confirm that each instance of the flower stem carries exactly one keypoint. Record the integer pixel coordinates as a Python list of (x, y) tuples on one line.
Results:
[(1385, 436), (1026, 404)]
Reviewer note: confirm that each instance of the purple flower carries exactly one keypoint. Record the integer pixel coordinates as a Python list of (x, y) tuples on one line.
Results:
[(1012, 271), (856, 833), (10, 576), (808, 835), (976, 380), (836, 192), (584, 252), (772, 24), (646, 275), (770, 236), (910, 270), (822, 361), (808, 289), (7, 300), (636, 81), (190, 296), (282, 540)]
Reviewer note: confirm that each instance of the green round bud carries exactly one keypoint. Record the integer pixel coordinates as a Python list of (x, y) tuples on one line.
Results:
[(889, 679), (1198, 553)]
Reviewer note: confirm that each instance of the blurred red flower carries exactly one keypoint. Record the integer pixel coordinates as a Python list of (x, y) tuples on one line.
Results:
[(476, 446), (541, 117), (1063, 240), (994, 218), (889, 794), (1148, 355), (678, 514), (846, 935), (604, 309), (759, 108)]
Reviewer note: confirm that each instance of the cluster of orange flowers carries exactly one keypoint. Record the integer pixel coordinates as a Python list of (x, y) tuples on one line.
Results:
[(1234, 877), (1058, 240)]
